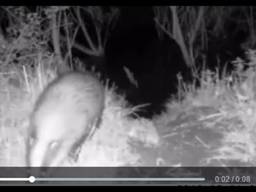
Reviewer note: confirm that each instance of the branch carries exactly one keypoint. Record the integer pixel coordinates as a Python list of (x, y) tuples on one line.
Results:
[(86, 34), (197, 24)]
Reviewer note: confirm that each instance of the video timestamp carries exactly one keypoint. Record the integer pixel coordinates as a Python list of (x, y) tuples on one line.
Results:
[(235, 179)]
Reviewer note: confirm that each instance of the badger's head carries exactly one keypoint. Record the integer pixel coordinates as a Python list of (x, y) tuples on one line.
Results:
[(48, 145)]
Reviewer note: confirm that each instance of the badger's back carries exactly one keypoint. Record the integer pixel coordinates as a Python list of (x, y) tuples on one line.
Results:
[(63, 117)]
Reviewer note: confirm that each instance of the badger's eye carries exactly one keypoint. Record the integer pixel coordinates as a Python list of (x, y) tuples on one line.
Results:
[(53, 145), (31, 141)]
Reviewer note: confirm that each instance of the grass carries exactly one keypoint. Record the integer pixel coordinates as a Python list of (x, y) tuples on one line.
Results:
[(110, 145), (212, 125)]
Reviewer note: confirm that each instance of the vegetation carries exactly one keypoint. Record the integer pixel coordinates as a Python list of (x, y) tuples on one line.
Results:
[(207, 123)]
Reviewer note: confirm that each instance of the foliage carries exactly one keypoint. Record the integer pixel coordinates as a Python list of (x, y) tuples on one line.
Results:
[(192, 27)]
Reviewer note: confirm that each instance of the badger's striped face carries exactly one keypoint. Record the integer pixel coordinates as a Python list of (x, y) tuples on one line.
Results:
[(46, 140), (44, 154)]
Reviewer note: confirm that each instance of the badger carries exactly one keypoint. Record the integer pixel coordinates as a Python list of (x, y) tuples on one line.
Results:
[(63, 117)]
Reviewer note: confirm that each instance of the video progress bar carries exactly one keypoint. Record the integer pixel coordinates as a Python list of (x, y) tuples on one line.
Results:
[(33, 179)]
